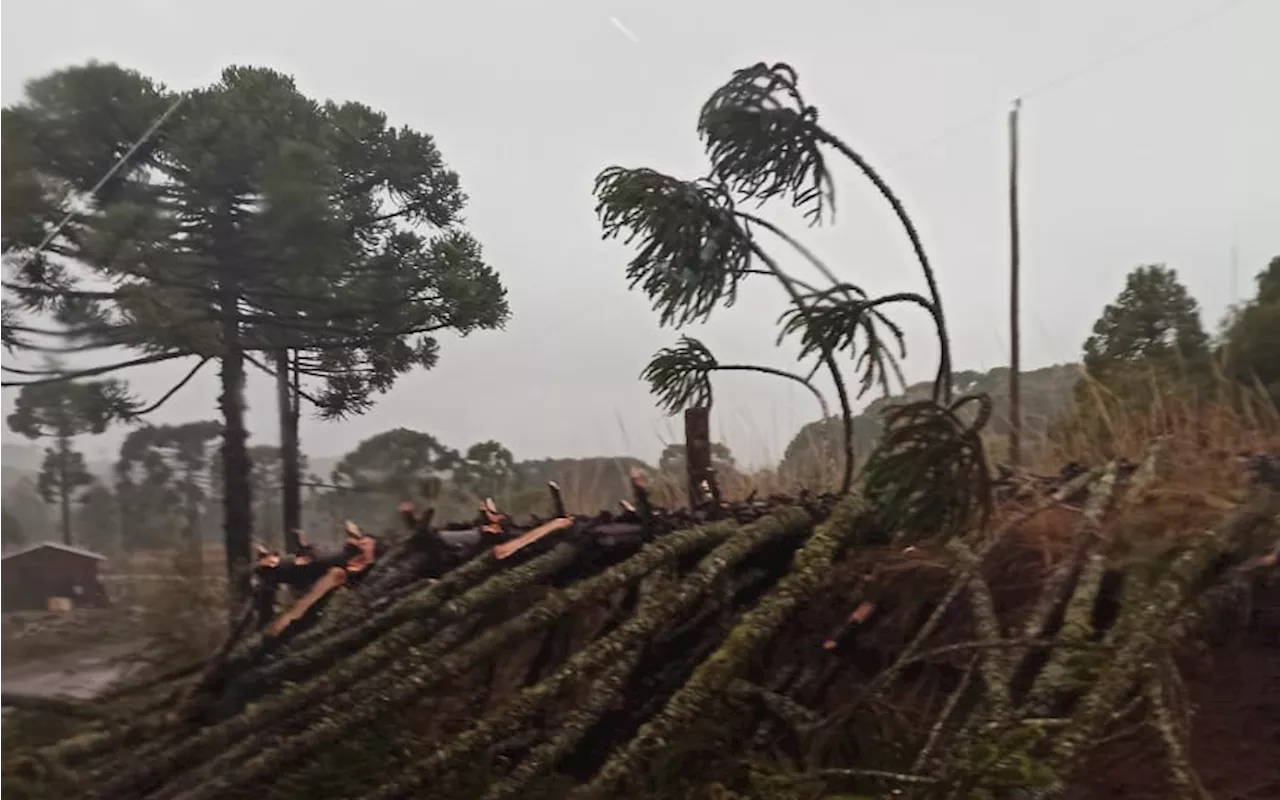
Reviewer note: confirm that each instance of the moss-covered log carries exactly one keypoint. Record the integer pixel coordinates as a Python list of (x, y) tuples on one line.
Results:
[(314, 653), (658, 608), (715, 675), (258, 721), (327, 729), (442, 688)]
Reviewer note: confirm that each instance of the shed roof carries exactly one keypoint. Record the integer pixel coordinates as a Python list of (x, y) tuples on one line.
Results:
[(56, 546)]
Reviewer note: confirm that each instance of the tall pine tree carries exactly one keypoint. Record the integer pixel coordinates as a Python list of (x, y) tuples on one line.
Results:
[(257, 225)]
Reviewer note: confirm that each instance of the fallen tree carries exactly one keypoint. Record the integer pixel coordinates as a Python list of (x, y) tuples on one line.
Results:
[(929, 630), (605, 656)]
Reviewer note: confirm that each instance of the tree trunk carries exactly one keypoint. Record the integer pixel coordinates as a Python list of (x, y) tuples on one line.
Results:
[(290, 455), (697, 451), (191, 521), (124, 508), (237, 493), (64, 488)]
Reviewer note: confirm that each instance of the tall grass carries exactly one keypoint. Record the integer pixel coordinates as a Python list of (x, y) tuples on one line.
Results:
[(1207, 423)]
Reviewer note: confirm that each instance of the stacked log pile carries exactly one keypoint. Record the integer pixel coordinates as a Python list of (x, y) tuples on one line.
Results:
[(800, 646)]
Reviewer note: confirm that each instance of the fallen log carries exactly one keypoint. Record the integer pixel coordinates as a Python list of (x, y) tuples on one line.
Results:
[(58, 706), (735, 635)]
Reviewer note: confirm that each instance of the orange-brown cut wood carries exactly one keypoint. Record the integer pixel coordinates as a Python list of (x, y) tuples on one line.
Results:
[(506, 549), (332, 579)]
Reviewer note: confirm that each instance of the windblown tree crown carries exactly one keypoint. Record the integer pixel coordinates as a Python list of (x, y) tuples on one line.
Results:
[(695, 247)]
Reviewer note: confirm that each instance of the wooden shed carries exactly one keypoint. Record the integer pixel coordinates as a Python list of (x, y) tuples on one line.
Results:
[(34, 574)]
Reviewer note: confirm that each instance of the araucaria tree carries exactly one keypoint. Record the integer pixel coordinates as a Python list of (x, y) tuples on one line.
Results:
[(1251, 341), (1154, 324), (62, 411), (257, 227), (395, 463), (164, 484), (384, 470), (697, 246)]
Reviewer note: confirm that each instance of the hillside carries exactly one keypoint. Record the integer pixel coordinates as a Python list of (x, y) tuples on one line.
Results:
[(1046, 394)]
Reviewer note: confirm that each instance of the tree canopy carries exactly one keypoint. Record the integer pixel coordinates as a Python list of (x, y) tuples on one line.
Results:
[(166, 482), (64, 410), (695, 246), (673, 459), (1154, 322), (254, 220), (486, 469), (61, 411), (1252, 335), (395, 462)]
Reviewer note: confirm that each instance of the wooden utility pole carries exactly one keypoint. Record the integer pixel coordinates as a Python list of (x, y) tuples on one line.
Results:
[(1015, 326)]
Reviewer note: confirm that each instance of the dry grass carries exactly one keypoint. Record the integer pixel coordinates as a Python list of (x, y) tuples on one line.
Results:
[(1206, 433), (29, 636), (184, 616), (160, 563), (1217, 422), (181, 608)]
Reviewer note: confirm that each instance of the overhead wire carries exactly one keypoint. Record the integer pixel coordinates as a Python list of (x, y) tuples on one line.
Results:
[(945, 134), (1065, 77), (1061, 79), (110, 173), (72, 197)]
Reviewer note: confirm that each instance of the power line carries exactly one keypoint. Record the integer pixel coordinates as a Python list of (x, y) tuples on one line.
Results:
[(1066, 77), (97, 187)]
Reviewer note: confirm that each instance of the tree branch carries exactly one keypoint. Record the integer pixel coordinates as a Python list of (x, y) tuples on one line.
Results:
[(944, 340), (310, 399), (842, 393), (826, 412), (844, 287), (59, 377), (177, 387)]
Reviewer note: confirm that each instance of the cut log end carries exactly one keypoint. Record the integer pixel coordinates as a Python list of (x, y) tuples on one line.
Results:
[(508, 549)]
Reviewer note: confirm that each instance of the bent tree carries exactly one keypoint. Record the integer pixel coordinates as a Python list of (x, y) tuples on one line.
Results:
[(258, 226), (696, 246)]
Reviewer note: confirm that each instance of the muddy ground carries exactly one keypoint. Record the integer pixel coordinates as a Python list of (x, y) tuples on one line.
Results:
[(1234, 693), (76, 654), (81, 673)]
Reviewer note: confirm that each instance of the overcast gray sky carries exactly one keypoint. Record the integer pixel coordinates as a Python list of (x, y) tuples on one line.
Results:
[(1149, 135)]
